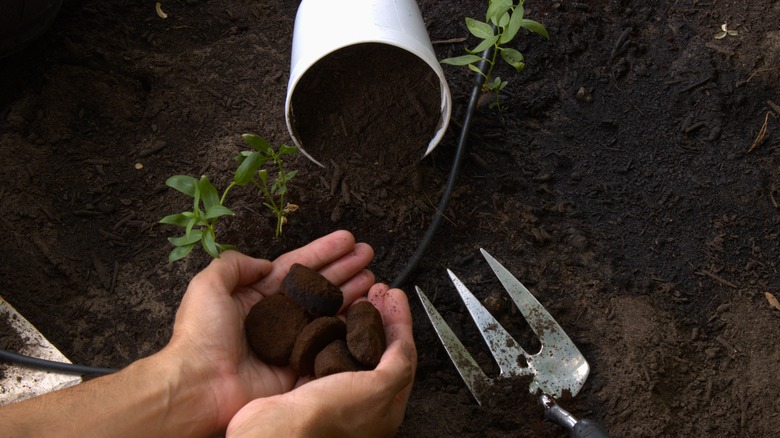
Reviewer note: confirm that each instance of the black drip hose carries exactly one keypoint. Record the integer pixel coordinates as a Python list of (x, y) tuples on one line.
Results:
[(86, 370), (49, 365), (445, 197)]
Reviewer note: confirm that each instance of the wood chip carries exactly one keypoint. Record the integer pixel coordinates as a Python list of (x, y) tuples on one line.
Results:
[(772, 300), (160, 13)]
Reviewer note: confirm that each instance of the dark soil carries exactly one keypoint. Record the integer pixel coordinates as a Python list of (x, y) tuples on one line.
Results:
[(627, 183)]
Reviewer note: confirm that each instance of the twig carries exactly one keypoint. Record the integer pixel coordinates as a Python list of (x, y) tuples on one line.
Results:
[(761, 133), (762, 70), (726, 345), (697, 84), (619, 43), (775, 107), (716, 278), (113, 278), (450, 41)]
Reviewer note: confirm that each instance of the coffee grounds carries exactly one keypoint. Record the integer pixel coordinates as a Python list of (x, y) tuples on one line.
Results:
[(272, 326), (352, 104), (311, 290), (365, 333), (312, 339), (283, 330), (335, 358)]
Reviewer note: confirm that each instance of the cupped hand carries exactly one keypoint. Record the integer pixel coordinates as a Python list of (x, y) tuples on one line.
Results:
[(351, 404), (209, 334)]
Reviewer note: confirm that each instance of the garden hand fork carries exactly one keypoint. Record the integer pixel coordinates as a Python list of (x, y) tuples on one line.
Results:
[(557, 368)]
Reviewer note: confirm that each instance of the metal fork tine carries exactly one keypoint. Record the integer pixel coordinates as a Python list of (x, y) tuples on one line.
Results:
[(508, 354), (558, 351), (540, 321), (467, 367)]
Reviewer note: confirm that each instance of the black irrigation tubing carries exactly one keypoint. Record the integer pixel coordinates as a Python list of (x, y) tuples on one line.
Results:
[(479, 79), (49, 365), (86, 370)]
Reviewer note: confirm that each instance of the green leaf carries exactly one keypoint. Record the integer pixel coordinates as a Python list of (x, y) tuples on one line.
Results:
[(196, 201), (246, 170), (287, 150), (263, 175), (208, 193), (535, 27), (218, 211), (487, 42), (476, 69), (193, 237), (503, 21), (461, 60), (479, 29), (179, 253), (514, 25), (496, 9), (513, 58), (210, 245), (494, 86), (257, 142), (289, 175), (179, 219), (183, 183), (191, 225), (225, 247)]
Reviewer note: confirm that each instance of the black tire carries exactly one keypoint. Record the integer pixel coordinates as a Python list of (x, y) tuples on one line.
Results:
[(22, 21)]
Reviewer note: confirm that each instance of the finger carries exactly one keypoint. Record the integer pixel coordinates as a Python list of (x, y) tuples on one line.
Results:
[(356, 287), (231, 270), (395, 372), (400, 358), (346, 267), (393, 304), (315, 255)]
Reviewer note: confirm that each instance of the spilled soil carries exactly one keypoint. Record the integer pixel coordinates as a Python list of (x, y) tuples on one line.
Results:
[(631, 182)]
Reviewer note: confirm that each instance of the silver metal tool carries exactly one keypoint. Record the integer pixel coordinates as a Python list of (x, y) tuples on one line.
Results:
[(557, 368)]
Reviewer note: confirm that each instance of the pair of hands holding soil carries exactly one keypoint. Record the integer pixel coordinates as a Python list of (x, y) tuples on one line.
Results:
[(208, 381), (255, 398)]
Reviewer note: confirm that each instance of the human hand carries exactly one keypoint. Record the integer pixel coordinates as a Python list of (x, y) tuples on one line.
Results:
[(209, 338), (350, 404)]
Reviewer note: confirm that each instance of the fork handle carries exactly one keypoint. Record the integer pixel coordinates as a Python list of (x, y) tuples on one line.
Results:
[(583, 428)]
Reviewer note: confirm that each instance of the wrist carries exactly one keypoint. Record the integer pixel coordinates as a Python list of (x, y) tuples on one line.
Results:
[(276, 416), (190, 405)]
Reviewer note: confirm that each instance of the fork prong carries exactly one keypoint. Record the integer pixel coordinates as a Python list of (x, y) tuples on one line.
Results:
[(540, 321), (559, 365), (476, 380), (509, 356)]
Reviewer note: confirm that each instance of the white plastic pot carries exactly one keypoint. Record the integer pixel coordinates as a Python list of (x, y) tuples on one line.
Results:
[(325, 26)]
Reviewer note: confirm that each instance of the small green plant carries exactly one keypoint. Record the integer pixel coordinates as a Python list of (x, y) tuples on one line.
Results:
[(208, 206), (503, 20), (275, 190), (724, 32)]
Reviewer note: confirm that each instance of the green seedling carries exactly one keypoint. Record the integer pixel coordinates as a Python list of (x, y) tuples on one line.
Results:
[(208, 206), (198, 223), (503, 21), (724, 32), (274, 191)]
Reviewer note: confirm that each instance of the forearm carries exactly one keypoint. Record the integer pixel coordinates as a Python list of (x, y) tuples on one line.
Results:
[(156, 396)]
